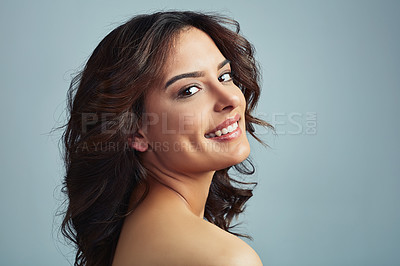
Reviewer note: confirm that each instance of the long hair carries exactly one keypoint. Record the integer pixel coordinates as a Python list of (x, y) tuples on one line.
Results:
[(105, 105)]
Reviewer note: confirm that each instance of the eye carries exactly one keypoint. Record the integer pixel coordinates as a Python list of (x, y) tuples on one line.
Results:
[(187, 92), (225, 77)]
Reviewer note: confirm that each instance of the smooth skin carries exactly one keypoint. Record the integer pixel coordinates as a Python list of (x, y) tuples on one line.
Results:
[(168, 227)]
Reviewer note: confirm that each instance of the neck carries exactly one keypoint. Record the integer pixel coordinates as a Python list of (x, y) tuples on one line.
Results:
[(188, 190)]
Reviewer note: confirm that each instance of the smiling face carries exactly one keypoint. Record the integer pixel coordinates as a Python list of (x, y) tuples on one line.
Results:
[(194, 120)]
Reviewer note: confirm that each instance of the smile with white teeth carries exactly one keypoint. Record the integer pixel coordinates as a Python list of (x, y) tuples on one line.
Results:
[(223, 131)]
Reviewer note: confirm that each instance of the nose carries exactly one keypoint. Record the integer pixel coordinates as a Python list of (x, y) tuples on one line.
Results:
[(226, 97)]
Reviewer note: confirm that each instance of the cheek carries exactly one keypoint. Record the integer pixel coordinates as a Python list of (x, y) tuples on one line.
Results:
[(178, 125), (191, 123), (242, 99)]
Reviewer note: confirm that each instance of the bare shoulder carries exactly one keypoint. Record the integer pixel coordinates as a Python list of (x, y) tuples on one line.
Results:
[(228, 249), (183, 241), (207, 244)]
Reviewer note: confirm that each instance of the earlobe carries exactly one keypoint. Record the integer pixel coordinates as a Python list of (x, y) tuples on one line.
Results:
[(139, 141)]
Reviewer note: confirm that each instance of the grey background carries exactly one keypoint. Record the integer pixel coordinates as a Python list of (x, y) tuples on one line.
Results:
[(328, 190)]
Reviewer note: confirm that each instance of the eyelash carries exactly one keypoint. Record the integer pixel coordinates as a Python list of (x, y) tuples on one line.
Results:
[(181, 93)]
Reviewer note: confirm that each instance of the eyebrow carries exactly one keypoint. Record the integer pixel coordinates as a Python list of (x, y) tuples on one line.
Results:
[(195, 74)]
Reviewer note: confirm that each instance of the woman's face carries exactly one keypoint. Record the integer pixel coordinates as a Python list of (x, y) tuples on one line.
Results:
[(195, 121)]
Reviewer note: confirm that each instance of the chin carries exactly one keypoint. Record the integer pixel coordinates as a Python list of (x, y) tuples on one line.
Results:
[(242, 152), (237, 156)]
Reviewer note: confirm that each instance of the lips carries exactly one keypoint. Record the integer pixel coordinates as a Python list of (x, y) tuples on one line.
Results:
[(228, 126)]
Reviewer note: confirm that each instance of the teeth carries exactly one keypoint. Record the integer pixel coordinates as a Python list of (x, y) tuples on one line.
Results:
[(223, 131)]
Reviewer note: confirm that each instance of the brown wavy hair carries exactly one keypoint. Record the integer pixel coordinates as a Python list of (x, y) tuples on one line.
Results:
[(105, 105)]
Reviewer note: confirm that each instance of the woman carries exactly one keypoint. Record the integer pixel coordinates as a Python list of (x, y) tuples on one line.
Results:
[(157, 118)]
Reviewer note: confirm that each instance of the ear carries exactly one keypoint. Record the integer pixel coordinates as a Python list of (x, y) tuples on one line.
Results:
[(139, 141)]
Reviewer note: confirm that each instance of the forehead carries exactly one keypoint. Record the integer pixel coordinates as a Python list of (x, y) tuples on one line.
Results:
[(192, 50)]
